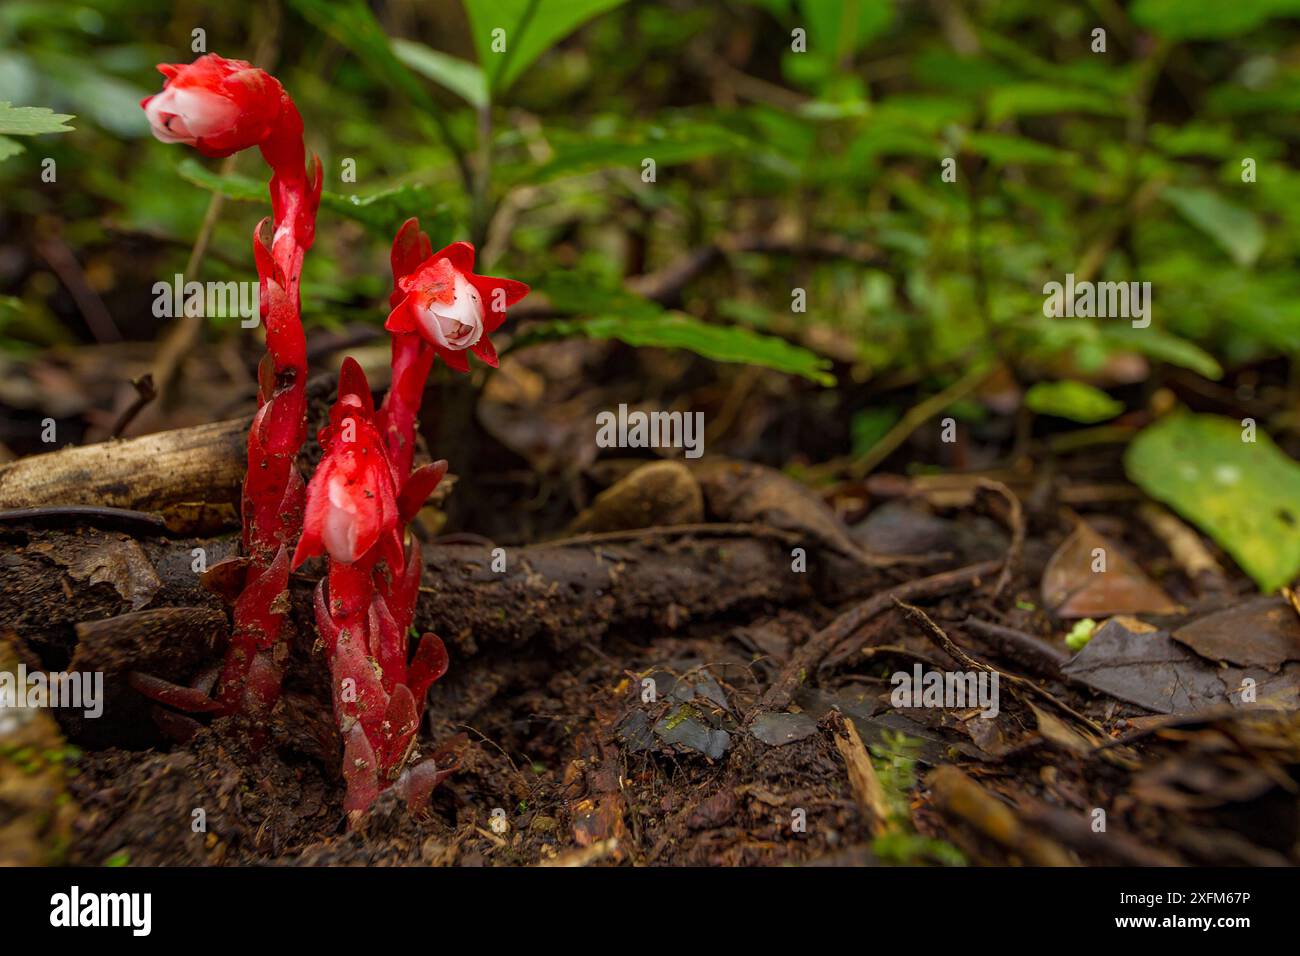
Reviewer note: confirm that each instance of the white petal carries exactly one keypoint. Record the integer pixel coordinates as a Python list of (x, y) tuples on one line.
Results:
[(457, 324), (339, 529), (166, 124), (205, 113)]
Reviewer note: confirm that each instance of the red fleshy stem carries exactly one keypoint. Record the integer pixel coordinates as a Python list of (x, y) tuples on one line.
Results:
[(412, 356), (273, 488)]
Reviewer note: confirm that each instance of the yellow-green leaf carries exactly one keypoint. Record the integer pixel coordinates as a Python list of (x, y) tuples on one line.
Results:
[(1077, 401), (1244, 494)]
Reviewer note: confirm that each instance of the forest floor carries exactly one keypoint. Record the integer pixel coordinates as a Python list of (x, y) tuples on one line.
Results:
[(702, 668)]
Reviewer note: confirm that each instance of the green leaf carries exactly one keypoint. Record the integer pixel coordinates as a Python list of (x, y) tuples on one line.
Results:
[(1077, 401), (9, 147), (385, 211), (580, 293), (382, 212), (531, 28), (231, 185), (1234, 228), (1162, 346), (676, 330), (464, 79), (1180, 20), (31, 120), (97, 95), (838, 28), (351, 23), (1003, 150), (1243, 494), (1036, 99), (668, 144)]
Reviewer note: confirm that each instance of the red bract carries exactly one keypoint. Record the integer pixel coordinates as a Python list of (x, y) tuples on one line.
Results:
[(366, 606), (219, 107), (351, 501)]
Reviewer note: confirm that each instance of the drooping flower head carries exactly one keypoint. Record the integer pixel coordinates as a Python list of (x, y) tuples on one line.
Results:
[(216, 105), (453, 309), (351, 499)]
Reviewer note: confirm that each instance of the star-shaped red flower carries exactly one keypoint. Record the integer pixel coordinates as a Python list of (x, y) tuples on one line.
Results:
[(453, 309)]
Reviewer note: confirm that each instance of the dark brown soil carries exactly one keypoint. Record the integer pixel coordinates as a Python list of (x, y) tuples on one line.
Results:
[(608, 706)]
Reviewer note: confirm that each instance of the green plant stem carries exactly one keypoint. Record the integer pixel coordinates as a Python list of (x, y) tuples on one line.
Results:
[(481, 212), (915, 417)]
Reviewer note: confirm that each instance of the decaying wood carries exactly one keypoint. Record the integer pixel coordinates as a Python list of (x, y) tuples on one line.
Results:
[(866, 786), (960, 798), (202, 464), (556, 594), (565, 595), (1184, 545), (151, 473), (167, 642)]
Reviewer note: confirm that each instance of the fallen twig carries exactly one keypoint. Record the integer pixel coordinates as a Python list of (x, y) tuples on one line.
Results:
[(708, 530), (1045, 659), (584, 856), (1015, 522), (866, 786), (144, 394), (84, 514), (805, 660), (959, 797), (1184, 545), (915, 417), (956, 653)]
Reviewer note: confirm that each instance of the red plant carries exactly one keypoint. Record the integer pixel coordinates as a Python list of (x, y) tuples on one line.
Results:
[(365, 607), (359, 502), (363, 494), (220, 107)]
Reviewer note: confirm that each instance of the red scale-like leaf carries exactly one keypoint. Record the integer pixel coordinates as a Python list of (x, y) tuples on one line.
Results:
[(388, 644), (429, 664), (173, 695), (417, 783), (368, 701), (398, 732), (177, 727), (265, 600), (360, 771), (352, 381), (417, 489)]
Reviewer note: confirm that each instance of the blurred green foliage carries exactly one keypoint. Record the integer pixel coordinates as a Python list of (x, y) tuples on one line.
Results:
[(1128, 164)]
